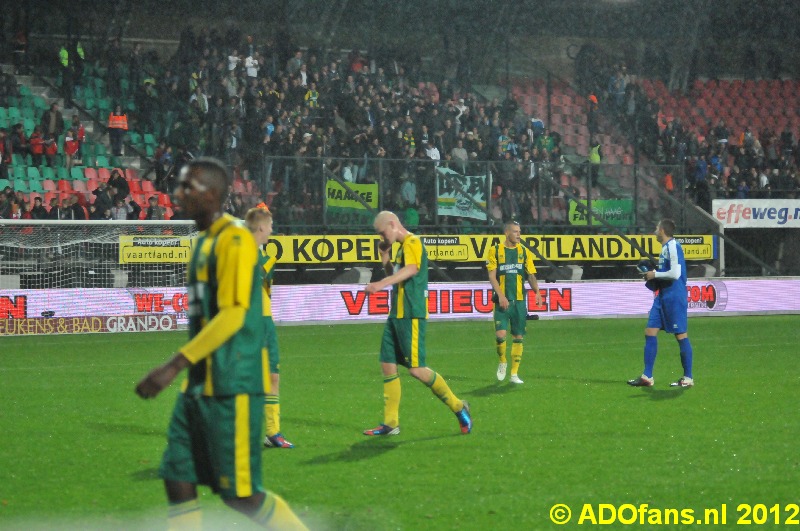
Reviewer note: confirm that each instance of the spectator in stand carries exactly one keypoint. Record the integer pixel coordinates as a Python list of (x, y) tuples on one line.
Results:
[(76, 210), (120, 210), (71, 146), (118, 183), (117, 127), (154, 210), (19, 144), (105, 197), (55, 210), (135, 210), (51, 150), (52, 122), (36, 144), (38, 211), (80, 130)]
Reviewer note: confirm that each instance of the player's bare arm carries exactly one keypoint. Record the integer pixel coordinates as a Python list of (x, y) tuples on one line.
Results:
[(502, 300), (405, 273), (535, 287), (159, 378)]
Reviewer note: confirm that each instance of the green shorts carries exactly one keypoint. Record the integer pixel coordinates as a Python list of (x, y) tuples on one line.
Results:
[(404, 342), (272, 346), (516, 314), (216, 441)]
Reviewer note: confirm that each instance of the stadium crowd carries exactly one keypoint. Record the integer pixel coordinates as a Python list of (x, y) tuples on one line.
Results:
[(717, 159), (274, 114)]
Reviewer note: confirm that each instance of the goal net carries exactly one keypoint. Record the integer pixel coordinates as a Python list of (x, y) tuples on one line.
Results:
[(38, 254)]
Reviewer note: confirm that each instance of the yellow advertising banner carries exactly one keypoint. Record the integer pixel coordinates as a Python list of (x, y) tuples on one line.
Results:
[(337, 196), (474, 248), (154, 249)]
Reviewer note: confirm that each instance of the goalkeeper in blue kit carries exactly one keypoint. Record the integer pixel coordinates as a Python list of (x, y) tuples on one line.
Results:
[(670, 308)]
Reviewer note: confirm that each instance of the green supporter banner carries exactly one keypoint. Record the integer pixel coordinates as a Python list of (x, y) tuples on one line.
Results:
[(615, 212), (474, 248), (343, 208), (461, 195)]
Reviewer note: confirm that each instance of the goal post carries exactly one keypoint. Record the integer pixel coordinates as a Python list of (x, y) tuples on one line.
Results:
[(65, 254)]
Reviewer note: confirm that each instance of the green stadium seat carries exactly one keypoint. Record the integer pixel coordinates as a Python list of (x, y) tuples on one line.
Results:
[(33, 174), (149, 151), (28, 112), (29, 125), (17, 160), (14, 114), (19, 173), (103, 106), (25, 102), (12, 101), (21, 186), (76, 174), (3, 113), (47, 173), (40, 103), (62, 173), (36, 186), (134, 138), (130, 106), (102, 162), (24, 91), (149, 139), (4, 183), (89, 103), (100, 149)]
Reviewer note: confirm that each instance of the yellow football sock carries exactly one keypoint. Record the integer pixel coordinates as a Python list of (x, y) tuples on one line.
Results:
[(185, 516), (442, 390), (272, 412), (516, 355), (391, 400), (501, 349), (275, 513)]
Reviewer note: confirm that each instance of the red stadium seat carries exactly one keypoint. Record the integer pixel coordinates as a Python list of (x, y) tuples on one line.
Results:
[(79, 186), (90, 174), (48, 185), (164, 200), (103, 174), (147, 186), (135, 186), (64, 186), (131, 174)]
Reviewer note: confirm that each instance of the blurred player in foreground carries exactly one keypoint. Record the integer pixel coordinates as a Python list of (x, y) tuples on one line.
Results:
[(404, 335), (508, 264), (259, 221), (214, 435), (670, 307)]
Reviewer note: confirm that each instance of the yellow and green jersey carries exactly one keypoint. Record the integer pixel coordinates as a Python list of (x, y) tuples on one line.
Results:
[(410, 297), (224, 272), (513, 266), (267, 264)]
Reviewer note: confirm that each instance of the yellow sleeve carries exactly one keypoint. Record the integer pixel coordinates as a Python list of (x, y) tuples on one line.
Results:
[(491, 260), (236, 259), (412, 252), (529, 267), (237, 256)]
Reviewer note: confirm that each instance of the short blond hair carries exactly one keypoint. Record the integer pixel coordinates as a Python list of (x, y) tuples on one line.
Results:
[(256, 216)]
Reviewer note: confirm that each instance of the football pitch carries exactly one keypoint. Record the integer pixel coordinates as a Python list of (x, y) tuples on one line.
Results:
[(78, 450)]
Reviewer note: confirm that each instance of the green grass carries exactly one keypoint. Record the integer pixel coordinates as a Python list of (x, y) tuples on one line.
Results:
[(79, 450)]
